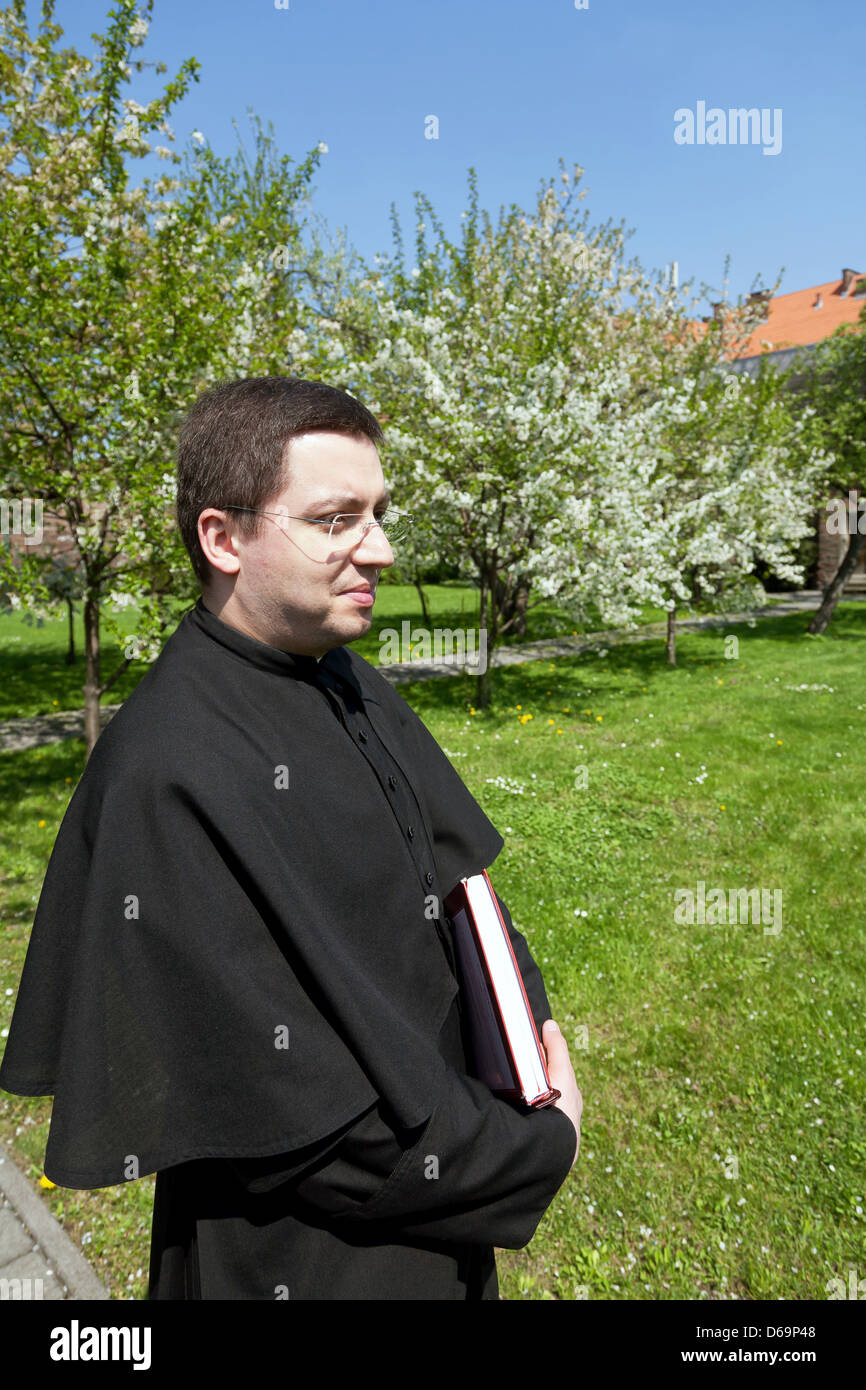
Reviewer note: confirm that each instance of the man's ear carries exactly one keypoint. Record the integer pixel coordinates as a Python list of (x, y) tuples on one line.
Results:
[(216, 537)]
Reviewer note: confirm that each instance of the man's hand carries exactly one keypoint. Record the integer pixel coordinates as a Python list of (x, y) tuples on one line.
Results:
[(562, 1077)]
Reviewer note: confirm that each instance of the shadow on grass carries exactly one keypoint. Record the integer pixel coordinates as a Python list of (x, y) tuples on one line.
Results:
[(645, 661), (34, 679), (27, 670)]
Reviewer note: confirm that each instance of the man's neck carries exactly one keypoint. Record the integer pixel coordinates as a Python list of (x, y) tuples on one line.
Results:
[(228, 618)]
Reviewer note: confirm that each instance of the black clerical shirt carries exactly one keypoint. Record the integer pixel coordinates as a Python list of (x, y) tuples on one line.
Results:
[(374, 1211)]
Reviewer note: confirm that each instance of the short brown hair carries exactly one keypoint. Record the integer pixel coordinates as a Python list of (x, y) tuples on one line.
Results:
[(231, 446)]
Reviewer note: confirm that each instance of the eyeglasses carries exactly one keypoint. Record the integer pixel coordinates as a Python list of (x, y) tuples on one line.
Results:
[(346, 527)]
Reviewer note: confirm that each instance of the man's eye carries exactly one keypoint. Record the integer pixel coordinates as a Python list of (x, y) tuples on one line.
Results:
[(348, 517)]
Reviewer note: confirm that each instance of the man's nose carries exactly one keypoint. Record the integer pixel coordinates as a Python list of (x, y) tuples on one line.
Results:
[(375, 544)]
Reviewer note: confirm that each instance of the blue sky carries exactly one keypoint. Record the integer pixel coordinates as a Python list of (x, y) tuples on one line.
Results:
[(517, 85)]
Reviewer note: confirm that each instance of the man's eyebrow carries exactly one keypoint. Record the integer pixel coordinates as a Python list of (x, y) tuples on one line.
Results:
[(348, 499)]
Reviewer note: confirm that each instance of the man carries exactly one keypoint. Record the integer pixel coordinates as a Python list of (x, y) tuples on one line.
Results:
[(240, 975)]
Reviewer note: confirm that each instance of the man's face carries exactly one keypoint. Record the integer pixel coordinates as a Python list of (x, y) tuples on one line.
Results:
[(289, 587)]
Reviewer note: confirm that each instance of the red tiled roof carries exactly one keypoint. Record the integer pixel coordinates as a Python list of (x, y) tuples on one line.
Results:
[(806, 316)]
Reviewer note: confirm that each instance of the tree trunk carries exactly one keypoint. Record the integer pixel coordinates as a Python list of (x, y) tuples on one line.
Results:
[(70, 646), (482, 681), (672, 638), (833, 591), (521, 599), (92, 725), (515, 605), (423, 599)]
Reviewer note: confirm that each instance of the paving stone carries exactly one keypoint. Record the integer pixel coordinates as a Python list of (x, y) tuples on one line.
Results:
[(32, 1267), (14, 1240), (36, 1245)]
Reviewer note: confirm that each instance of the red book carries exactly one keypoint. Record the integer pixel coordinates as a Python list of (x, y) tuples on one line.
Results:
[(500, 1031)]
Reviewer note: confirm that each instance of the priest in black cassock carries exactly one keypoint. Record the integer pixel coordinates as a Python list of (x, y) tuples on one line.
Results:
[(240, 975)]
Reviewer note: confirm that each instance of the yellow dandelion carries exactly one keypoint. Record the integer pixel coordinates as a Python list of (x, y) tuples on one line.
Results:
[(718, 682), (471, 710), (67, 779), (559, 731), (54, 702), (565, 711), (721, 808), (42, 824), (778, 740), (518, 707), (551, 721), (587, 711), (598, 718)]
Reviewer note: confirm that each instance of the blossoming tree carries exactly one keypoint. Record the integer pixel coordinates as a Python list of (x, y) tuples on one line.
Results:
[(834, 392), (119, 301), (725, 472), (547, 422)]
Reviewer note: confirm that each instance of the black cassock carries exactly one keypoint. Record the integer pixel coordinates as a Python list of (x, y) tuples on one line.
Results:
[(240, 977)]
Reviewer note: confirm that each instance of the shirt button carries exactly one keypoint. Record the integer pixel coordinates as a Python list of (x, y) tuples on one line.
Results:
[(410, 831), (392, 780), (362, 735), (428, 877)]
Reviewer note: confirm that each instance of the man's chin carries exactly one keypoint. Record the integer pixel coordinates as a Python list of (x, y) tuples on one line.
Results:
[(348, 627)]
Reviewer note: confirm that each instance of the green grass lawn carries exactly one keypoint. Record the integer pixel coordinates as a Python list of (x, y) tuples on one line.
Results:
[(723, 1152), (37, 680)]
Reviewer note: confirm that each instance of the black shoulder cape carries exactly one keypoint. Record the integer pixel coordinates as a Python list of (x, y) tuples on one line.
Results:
[(232, 953)]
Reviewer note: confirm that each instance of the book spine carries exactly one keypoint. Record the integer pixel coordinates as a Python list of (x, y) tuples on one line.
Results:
[(551, 1094)]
